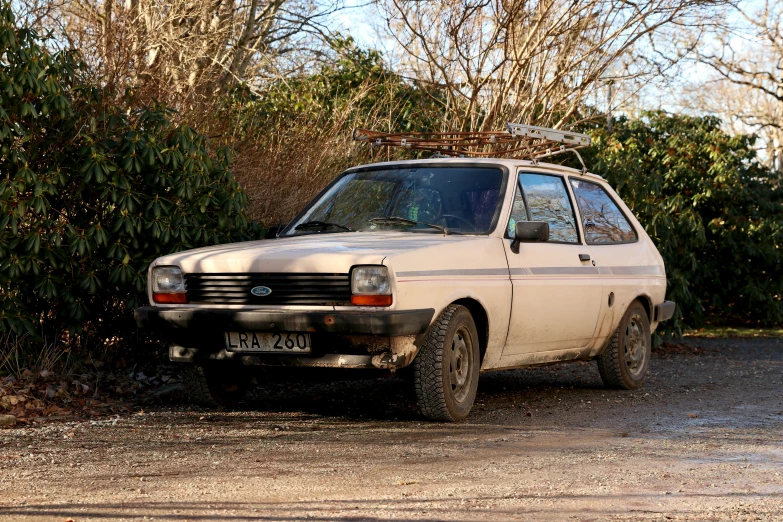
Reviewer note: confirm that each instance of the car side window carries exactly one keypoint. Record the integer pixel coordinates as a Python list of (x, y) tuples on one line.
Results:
[(518, 212), (602, 220), (547, 200)]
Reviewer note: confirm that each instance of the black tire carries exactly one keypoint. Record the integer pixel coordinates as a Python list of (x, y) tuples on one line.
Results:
[(446, 369), (217, 385), (625, 362)]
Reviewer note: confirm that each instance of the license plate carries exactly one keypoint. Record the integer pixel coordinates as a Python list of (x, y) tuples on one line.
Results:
[(289, 343)]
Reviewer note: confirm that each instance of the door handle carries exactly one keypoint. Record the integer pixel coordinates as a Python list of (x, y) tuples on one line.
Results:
[(584, 257)]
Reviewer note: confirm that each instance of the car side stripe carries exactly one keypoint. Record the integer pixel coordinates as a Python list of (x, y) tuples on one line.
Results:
[(603, 271), (654, 270), (465, 272), (563, 270)]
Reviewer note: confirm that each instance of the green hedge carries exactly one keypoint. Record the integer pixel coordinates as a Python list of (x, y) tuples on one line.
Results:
[(89, 195), (714, 212)]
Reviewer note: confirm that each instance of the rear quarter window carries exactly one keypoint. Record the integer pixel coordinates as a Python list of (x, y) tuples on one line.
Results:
[(602, 220)]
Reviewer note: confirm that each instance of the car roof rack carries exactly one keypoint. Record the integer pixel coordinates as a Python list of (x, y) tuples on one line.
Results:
[(518, 140)]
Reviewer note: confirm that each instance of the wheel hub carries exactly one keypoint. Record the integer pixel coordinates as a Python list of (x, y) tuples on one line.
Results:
[(459, 365), (635, 346)]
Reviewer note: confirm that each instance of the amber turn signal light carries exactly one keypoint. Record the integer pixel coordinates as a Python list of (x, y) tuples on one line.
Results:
[(178, 298), (371, 300)]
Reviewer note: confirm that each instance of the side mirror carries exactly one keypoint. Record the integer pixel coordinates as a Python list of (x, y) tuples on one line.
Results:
[(529, 232)]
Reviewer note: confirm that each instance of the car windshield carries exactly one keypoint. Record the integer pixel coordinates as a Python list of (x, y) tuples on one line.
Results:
[(459, 200)]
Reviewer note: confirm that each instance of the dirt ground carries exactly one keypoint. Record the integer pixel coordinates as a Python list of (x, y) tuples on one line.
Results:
[(702, 441)]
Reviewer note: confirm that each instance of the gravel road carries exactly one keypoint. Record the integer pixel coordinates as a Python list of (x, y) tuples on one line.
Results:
[(702, 441)]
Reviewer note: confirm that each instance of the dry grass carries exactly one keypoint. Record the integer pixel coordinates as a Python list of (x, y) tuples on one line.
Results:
[(41, 379), (283, 164), (723, 332), (282, 173), (16, 357)]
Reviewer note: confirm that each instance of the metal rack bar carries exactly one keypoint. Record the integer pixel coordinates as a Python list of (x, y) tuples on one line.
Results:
[(527, 141)]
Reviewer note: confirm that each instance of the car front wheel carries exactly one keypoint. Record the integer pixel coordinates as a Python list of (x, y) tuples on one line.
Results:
[(446, 369), (625, 361)]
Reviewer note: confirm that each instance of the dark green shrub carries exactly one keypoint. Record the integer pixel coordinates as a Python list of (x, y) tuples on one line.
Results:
[(356, 88), (714, 212), (90, 194)]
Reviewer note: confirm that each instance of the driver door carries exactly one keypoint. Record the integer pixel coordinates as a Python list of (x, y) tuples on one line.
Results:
[(556, 293)]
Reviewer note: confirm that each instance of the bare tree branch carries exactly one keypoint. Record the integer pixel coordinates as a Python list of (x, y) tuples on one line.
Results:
[(528, 61), (747, 63), (186, 50)]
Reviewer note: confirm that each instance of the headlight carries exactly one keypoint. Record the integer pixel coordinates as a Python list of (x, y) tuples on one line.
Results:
[(168, 285), (370, 286), (370, 280)]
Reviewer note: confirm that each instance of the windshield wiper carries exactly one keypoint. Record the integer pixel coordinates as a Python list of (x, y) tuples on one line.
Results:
[(390, 220), (320, 224)]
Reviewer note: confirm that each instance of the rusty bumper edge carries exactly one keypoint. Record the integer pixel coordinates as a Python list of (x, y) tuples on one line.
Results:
[(182, 354), (381, 322)]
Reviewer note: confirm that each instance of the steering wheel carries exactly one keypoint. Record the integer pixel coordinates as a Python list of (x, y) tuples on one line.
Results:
[(459, 218)]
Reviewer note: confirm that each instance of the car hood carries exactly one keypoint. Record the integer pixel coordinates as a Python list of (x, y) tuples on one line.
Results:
[(334, 253)]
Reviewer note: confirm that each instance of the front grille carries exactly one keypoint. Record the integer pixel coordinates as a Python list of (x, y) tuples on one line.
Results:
[(287, 289)]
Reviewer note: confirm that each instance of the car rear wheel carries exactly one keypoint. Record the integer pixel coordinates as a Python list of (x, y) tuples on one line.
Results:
[(446, 369), (625, 362), (217, 385)]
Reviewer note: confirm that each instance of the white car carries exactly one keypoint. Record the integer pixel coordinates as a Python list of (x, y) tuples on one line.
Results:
[(448, 266)]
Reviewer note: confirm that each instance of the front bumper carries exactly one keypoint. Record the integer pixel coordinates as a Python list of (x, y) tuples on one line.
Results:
[(382, 322), (380, 339)]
